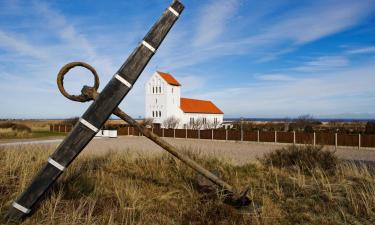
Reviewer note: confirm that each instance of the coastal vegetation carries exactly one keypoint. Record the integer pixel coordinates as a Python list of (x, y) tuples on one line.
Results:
[(286, 187)]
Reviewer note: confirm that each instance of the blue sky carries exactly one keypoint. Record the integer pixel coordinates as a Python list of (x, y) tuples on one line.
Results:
[(251, 58)]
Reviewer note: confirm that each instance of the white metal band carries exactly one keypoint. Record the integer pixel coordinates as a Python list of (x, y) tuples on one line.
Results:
[(89, 125), (173, 11), (148, 46), (21, 208), (122, 80), (56, 164)]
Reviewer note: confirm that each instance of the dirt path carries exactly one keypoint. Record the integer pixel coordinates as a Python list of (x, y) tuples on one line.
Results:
[(236, 152)]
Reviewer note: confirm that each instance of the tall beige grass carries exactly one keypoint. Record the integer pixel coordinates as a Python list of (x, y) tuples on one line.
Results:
[(121, 188)]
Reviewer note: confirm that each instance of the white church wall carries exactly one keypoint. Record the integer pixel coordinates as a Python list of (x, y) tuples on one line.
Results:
[(187, 118), (173, 101), (163, 101), (156, 99)]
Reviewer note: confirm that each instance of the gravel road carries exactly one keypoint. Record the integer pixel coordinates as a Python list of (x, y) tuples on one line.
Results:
[(236, 152)]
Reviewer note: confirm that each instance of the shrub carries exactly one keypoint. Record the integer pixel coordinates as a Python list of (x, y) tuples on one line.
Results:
[(70, 121), (370, 127), (15, 127), (7, 125), (21, 128), (306, 158)]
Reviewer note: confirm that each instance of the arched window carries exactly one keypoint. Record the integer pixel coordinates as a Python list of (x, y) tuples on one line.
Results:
[(153, 114), (153, 89), (159, 89), (159, 113)]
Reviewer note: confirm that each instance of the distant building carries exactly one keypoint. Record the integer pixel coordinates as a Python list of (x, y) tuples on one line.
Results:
[(168, 109)]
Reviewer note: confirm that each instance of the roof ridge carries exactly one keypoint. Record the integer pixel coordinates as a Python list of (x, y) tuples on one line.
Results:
[(168, 78), (198, 99)]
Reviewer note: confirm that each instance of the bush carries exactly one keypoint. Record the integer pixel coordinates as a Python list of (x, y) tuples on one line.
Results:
[(306, 158), (7, 125), (21, 127), (15, 127), (70, 121), (370, 127)]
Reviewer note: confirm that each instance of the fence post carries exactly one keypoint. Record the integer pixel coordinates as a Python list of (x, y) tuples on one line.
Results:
[(335, 140), (359, 141), (64, 128), (241, 134), (226, 135), (314, 139), (128, 131), (258, 139), (185, 132), (294, 137), (275, 136), (199, 134), (174, 133), (212, 134), (162, 132)]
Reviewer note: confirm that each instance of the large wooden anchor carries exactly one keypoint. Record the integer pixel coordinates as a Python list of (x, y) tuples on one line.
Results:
[(99, 111)]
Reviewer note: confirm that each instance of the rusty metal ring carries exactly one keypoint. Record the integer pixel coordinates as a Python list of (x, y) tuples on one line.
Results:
[(60, 80)]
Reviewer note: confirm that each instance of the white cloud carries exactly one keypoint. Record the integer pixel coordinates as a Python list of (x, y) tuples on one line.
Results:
[(364, 50), (323, 63), (22, 47), (213, 20), (269, 38), (326, 93), (275, 77), (65, 30), (321, 19), (192, 82)]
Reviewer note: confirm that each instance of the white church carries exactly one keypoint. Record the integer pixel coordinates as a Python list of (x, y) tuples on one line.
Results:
[(164, 105)]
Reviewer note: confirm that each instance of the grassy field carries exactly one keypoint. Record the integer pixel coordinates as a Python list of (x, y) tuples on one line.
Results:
[(11, 134), (286, 187), (24, 129)]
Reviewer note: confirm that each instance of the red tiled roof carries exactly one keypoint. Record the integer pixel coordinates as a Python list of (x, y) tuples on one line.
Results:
[(199, 106), (169, 78)]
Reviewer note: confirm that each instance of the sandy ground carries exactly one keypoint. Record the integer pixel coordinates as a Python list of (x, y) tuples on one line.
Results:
[(236, 152)]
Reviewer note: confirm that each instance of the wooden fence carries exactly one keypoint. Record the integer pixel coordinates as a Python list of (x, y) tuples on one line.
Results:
[(351, 140), (60, 128)]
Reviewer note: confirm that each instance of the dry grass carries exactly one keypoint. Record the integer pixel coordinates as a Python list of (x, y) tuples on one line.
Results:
[(120, 188)]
